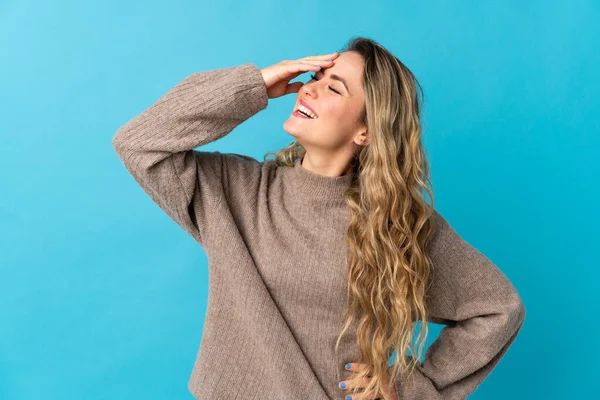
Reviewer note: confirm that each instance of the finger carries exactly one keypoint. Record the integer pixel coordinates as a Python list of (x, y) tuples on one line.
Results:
[(294, 69), (317, 63), (297, 68), (357, 367), (370, 395), (348, 384), (329, 56), (303, 66), (293, 87)]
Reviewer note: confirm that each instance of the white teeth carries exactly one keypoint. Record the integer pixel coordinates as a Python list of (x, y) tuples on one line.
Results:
[(307, 111)]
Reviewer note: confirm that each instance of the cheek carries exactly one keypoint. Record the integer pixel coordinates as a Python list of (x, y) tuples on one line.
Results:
[(335, 112), (343, 116), (337, 124)]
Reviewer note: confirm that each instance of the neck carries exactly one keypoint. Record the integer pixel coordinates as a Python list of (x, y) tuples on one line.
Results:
[(310, 185), (327, 166)]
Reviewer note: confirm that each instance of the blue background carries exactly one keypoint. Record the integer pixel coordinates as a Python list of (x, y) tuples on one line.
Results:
[(102, 296)]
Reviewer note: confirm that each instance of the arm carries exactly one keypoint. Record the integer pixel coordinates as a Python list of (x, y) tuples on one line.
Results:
[(482, 312), (157, 146)]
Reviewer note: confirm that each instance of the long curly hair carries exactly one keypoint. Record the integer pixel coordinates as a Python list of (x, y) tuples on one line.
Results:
[(391, 222)]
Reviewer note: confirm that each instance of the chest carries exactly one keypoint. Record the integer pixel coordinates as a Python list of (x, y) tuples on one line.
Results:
[(300, 254)]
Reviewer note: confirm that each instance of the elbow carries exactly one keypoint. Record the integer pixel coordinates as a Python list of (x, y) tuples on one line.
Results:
[(116, 141), (121, 146), (521, 314), (122, 136), (515, 312)]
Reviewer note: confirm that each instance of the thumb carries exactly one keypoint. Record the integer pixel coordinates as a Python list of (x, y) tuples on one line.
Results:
[(293, 87)]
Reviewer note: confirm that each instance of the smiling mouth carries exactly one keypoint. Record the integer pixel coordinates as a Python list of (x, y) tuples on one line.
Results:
[(300, 114), (304, 114)]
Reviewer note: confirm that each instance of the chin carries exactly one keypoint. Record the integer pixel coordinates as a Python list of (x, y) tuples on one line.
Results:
[(292, 130)]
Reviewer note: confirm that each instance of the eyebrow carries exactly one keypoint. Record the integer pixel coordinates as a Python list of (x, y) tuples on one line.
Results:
[(338, 78)]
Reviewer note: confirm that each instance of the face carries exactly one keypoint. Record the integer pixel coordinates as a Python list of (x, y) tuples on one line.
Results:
[(337, 107)]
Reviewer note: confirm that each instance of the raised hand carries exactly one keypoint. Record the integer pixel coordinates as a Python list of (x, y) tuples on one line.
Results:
[(277, 76)]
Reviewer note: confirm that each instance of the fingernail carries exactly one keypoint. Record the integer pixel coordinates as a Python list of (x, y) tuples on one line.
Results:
[(348, 397), (342, 385), (348, 366)]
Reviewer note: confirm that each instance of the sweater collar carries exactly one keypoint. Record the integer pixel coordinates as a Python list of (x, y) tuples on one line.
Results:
[(319, 186)]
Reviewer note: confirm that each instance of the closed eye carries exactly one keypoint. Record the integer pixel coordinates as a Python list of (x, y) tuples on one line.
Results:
[(313, 76)]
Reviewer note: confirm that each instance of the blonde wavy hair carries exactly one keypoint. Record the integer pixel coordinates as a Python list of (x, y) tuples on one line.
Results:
[(391, 222)]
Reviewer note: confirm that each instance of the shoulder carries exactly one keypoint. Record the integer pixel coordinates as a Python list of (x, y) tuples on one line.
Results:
[(455, 260), (445, 237), (243, 171), (243, 163)]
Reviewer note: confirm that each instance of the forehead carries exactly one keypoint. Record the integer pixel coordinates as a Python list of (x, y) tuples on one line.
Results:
[(349, 65)]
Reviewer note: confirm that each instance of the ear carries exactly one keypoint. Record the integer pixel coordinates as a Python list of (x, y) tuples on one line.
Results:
[(363, 139)]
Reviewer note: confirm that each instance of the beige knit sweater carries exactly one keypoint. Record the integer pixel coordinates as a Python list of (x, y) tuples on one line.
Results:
[(274, 238)]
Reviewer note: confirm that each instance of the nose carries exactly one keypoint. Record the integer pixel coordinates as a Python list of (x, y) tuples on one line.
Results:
[(310, 89)]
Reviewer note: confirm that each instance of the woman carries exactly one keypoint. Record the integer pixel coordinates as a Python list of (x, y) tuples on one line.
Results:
[(329, 254)]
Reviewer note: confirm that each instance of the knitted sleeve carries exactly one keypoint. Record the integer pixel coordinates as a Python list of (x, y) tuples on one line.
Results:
[(483, 314), (157, 146)]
